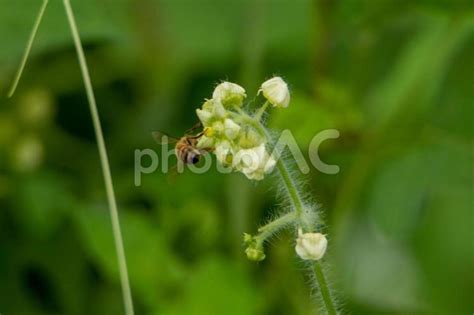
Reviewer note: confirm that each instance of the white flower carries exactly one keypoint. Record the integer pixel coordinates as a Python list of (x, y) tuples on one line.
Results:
[(229, 94), (208, 105), (204, 116), (276, 92), (205, 142), (219, 110), (211, 111), (224, 152), (217, 128), (254, 162), (250, 138), (231, 129), (310, 246)]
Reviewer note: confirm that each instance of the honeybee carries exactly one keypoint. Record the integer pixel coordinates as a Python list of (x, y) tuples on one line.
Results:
[(185, 147)]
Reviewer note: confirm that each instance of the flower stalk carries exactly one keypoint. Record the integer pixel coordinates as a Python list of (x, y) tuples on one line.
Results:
[(297, 204), (324, 288), (274, 226), (242, 142), (258, 115)]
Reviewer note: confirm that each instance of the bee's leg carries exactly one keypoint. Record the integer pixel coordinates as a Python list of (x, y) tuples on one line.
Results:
[(207, 150), (199, 135)]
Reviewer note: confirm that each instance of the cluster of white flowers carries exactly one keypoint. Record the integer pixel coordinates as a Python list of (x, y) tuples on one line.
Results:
[(230, 133), (239, 141), (233, 140)]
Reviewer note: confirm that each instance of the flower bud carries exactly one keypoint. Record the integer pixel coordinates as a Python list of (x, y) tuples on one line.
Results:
[(276, 92), (310, 246), (248, 238), (229, 94), (204, 116), (205, 142), (255, 254), (219, 110), (211, 110), (208, 105), (231, 129), (224, 152)]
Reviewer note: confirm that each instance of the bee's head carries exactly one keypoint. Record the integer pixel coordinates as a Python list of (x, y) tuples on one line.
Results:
[(193, 157)]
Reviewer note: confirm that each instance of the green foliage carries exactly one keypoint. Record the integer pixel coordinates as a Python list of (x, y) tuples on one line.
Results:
[(395, 78)]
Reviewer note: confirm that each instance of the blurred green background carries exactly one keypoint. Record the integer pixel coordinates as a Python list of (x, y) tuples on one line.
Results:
[(394, 77)]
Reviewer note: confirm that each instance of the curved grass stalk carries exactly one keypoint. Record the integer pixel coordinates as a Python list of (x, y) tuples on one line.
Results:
[(126, 291), (29, 44), (125, 283)]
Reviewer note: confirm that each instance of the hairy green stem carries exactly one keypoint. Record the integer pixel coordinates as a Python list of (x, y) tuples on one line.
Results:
[(290, 185), (297, 203), (127, 295), (261, 110), (267, 230), (291, 188), (324, 288), (29, 44)]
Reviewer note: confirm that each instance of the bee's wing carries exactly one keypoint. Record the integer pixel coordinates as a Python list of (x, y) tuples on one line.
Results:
[(163, 138), (193, 128)]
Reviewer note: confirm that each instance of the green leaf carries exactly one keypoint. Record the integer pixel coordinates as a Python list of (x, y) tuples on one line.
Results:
[(42, 201), (417, 75), (217, 286), (151, 266)]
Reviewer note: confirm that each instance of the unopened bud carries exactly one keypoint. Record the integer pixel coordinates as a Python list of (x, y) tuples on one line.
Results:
[(255, 254), (310, 246), (204, 116), (276, 92)]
